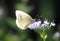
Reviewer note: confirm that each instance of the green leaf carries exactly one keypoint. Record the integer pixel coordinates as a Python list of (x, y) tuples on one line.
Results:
[(43, 35)]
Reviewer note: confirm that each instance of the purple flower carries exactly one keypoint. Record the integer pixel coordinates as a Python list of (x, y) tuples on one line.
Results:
[(34, 25)]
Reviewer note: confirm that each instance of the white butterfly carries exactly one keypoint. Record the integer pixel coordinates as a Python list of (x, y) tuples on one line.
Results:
[(23, 19)]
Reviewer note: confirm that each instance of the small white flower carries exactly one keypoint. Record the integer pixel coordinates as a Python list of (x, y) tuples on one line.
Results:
[(52, 24), (45, 23)]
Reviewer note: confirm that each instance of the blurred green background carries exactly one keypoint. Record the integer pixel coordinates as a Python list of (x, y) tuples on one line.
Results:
[(46, 8)]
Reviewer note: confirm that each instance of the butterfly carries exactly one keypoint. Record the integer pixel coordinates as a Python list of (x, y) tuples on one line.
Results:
[(24, 20)]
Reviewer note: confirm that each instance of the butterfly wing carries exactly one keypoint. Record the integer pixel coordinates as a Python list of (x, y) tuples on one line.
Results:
[(23, 19)]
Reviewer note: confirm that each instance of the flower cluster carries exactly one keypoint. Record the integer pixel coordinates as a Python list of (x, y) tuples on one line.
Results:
[(38, 24)]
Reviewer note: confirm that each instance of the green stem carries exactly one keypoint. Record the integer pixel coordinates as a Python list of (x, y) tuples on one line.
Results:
[(44, 39)]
